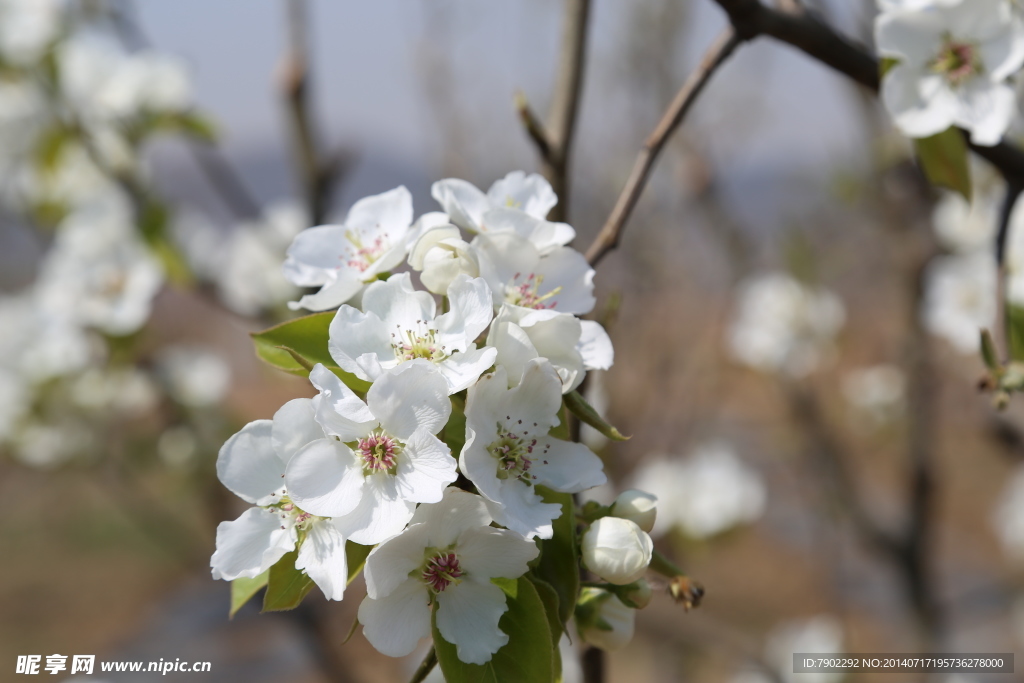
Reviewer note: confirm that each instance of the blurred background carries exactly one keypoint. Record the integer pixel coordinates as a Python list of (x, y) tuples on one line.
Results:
[(787, 456)]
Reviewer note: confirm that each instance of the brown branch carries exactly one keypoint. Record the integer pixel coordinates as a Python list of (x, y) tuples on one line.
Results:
[(804, 31), (554, 141), (1013, 192), (317, 176), (608, 238), (224, 179)]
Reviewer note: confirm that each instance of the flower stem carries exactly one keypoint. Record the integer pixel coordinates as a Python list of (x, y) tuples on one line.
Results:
[(665, 566), (428, 664)]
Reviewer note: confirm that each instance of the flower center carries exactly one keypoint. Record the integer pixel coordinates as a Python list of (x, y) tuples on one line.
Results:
[(957, 61), (379, 452), (442, 570), (286, 508), (525, 292), (514, 455), (361, 256), (421, 343), (511, 202)]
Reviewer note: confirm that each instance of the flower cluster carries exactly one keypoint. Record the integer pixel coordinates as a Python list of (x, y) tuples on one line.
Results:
[(458, 383), (951, 63)]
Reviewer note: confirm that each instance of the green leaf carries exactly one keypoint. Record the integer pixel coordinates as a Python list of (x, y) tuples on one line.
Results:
[(1015, 325), (579, 407), (454, 434), (528, 655), (286, 585), (549, 596), (356, 556), (243, 590), (559, 564), (943, 158), (298, 344), (988, 351)]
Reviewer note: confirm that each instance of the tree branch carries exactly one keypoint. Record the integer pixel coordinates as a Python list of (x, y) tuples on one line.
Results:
[(425, 667), (554, 141), (1013, 192), (608, 238)]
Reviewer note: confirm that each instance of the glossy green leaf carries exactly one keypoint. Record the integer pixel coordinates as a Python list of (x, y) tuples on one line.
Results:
[(286, 585), (1015, 326), (943, 158), (559, 563), (356, 555), (297, 345), (579, 407), (528, 655), (454, 434), (243, 590), (549, 596)]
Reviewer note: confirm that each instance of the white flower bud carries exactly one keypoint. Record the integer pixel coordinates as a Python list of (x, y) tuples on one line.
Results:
[(604, 621), (636, 506), (617, 550)]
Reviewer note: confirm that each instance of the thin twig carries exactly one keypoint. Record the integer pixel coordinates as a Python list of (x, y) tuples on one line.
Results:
[(424, 669), (317, 176), (1013, 192), (609, 236), (554, 141)]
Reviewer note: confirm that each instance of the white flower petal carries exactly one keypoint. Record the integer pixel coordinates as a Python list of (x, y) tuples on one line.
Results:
[(566, 466), (340, 412), (396, 623), (425, 468), (314, 254), (488, 552), (354, 334), (251, 544), (531, 194), (322, 557), (464, 203), (457, 512), (341, 288), (380, 514), (390, 563), (325, 478), (535, 403), (595, 346), (412, 396), (388, 215), (470, 312), (462, 369), (468, 616), (294, 426), (248, 465)]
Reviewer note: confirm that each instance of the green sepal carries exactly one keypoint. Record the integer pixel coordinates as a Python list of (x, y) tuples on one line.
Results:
[(579, 407), (943, 158)]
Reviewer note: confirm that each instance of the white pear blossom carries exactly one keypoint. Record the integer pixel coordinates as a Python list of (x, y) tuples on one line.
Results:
[(517, 203), (381, 457), (782, 325), (705, 494), (15, 397), (609, 623), (617, 550), (637, 506), (341, 259), (98, 272), (1008, 516), (571, 345), (446, 557), (123, 391), (194, 376), (27, 27), (960, 298), (519, 274), (953, 61), (966, 227), (441, 255), (877, 391), (399, 324), (252, 465), (509, 450)]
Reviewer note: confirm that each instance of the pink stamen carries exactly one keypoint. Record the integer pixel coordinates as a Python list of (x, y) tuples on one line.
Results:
[(441, 571)]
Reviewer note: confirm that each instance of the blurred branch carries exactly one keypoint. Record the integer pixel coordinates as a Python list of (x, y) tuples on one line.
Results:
[(317, 176), (554, 141), (1014, 187), (608, 238), (425, 667), (804, 31), (223, 178)]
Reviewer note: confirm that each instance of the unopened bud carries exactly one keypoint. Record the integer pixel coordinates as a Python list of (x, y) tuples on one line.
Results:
[(636, 595), (617, 550), (603, 620), (637, 506)]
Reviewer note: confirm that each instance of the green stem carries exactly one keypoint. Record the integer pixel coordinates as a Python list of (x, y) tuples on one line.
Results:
[(428, 664), (665, 566)]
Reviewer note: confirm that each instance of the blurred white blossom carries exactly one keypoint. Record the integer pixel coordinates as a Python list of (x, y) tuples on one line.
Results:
[(822, 635), (194, 376), (1008, 516), (877, 391), (782, 325), (704, 494), (960, 298)]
